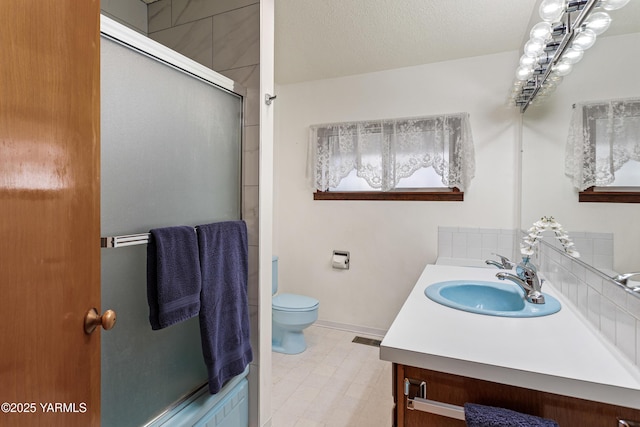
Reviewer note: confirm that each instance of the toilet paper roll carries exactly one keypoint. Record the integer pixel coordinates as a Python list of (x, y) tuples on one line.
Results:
[(340, 261)]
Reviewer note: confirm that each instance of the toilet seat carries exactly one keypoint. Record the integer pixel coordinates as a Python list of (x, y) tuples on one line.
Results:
[(293, 302)]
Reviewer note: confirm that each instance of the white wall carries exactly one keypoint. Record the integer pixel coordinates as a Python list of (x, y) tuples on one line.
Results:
[(608, 70), (390, 242)]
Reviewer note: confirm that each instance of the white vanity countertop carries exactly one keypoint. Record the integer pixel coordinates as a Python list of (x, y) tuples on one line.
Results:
[(559, 353)]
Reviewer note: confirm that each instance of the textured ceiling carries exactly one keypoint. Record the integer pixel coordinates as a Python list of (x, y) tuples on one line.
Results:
[(317, 39)]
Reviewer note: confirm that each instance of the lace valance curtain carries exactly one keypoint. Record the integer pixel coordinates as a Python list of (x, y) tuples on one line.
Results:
[(385, 151), (603, 136)]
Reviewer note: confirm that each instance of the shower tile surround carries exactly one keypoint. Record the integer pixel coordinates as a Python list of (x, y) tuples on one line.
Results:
[(224, 35), (611, 310)]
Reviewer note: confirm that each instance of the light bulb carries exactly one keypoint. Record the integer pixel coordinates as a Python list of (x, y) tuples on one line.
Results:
[(584, 40), (527, 61), (542, 30), (551, 10), (554, 79), (562, 68), (548, 88), (514, 95), (534, 47), (523, 73), (545, 58), (613, 4), (598, 22), (546, 92), (572, 56)]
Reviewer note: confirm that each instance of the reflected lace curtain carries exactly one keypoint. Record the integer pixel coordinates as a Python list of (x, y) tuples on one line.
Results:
[(385, 151), (603, 136)]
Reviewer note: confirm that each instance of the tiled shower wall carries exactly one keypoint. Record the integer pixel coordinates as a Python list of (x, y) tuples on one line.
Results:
[(224, 35)]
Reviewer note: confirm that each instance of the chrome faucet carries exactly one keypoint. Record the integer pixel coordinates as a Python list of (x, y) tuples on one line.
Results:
[(622, 279), (530, 283), (504, 263)]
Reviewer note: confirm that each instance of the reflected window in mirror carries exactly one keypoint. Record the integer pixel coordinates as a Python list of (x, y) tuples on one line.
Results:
[(603, 151)]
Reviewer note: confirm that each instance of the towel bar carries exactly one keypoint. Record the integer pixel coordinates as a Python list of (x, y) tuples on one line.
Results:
[(416, 392), (127, 240), (438, 408)]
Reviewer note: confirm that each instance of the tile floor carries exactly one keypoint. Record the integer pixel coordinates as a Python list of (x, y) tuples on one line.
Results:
[(334, 383)]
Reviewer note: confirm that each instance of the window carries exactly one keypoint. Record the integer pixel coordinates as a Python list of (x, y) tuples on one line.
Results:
[(603, 151), (422, 158)]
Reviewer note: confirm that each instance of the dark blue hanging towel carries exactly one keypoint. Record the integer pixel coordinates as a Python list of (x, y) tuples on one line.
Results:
[(173, 276), (224, 309)]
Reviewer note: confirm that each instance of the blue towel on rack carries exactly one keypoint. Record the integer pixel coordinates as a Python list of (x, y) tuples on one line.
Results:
[(488, 416), (173, 276), (224, 309)]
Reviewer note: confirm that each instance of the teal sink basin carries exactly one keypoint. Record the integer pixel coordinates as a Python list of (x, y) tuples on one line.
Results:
[(490, 298)]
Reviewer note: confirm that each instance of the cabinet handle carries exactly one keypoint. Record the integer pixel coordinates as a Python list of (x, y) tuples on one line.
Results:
[(416, 392), (626, 423), (415, 388)]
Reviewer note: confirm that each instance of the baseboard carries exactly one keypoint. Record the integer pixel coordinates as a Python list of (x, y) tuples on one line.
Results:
[(373, 332)]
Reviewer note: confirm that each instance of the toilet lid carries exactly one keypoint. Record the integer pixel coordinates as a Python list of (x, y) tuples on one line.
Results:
[(293, 302)]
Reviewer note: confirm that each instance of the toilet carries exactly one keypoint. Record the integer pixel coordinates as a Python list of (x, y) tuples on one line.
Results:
[(291, 314)]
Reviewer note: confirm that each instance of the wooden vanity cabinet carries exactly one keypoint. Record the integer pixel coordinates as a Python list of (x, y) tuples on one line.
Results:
[(456, 390)]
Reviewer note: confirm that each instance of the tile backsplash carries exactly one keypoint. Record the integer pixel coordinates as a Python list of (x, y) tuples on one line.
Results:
[(476, 243), (607, 306), (595, 249)]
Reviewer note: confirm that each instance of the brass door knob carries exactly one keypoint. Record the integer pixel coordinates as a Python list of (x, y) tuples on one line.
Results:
[(93, 319)]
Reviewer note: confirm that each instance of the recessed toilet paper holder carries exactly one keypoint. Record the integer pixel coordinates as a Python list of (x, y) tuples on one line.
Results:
[(340, 260)]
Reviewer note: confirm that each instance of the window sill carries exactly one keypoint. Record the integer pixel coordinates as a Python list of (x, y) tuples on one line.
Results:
[(594, 196), (451, 195)]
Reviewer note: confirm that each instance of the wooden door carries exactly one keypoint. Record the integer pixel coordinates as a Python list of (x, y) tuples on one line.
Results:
[(49, 212)]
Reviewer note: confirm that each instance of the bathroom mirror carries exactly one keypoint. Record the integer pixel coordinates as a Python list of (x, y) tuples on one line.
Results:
[(608, 70)]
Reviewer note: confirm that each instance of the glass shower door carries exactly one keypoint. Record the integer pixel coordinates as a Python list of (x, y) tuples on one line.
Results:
[(171, 147)]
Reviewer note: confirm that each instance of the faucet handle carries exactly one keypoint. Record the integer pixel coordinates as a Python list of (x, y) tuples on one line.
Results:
[(622, 278), (531, 276), (528, 271), (506, 263)]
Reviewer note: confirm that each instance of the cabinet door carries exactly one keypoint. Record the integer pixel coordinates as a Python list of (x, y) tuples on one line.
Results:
[(443, 391), (457, 390)]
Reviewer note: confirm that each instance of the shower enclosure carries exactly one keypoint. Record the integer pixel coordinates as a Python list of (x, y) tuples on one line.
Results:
[(171, 135)]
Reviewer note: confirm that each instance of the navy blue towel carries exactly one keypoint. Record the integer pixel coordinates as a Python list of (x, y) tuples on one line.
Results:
[(173, 276), (488, 416), (224, 309)]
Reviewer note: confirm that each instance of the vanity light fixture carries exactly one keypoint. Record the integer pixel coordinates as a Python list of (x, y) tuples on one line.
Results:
[(567, 29)]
